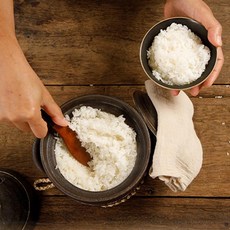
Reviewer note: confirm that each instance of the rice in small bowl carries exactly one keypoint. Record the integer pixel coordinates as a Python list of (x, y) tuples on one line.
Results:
[(176, 53), (131, 139)]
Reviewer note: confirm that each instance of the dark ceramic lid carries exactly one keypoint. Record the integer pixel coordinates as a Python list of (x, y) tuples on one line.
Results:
[(17, 201)]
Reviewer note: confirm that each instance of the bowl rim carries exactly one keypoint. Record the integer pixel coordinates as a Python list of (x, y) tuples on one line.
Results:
[(96, 197), (177, 87)]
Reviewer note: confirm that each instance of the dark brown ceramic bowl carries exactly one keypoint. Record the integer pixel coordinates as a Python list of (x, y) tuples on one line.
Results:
[(43, 152), (196, 28)]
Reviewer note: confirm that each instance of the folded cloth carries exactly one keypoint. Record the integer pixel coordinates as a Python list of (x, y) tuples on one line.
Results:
[(178, 153)]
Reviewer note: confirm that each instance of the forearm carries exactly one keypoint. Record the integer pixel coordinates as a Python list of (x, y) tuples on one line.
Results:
[(7, 27)]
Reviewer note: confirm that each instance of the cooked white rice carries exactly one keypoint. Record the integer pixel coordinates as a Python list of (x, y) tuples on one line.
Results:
[(110, 142), (177, 55)]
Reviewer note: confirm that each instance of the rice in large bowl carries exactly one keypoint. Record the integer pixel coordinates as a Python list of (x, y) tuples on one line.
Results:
[(130, 182), (111, 144)]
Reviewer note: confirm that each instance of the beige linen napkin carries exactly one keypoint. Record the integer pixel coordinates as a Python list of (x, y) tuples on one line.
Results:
[(178, 153)]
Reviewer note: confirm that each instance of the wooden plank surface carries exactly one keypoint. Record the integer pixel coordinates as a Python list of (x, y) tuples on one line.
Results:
[(95, 42), (92, 47), (137, 214), (211, 120)]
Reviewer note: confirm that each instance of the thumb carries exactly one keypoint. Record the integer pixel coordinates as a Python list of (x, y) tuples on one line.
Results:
[(214, 35), (214, 29), (54, 111)]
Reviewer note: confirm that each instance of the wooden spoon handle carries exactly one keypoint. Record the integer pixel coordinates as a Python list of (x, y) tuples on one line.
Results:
[(73, 144), (70, 139)]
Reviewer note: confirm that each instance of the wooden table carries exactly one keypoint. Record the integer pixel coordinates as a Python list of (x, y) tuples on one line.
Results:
[(87, 47)]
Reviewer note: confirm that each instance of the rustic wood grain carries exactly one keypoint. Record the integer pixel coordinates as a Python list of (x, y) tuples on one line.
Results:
[(136, 214), (94, 42), (92, 47)]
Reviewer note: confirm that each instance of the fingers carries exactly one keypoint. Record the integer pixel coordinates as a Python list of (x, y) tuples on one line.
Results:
[(33, 121), (54, 111), (195, 91), (214, 29), (175, 92), (214, 34), (23, 126), (213, 76), (30, 122), (37, 125), (204, 15)]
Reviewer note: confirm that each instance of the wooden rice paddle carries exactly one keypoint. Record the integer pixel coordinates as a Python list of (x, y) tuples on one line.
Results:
[(70, 139)]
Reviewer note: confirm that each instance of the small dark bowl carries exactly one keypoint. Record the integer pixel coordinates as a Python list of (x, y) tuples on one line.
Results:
[(44, 157), (197, 29)]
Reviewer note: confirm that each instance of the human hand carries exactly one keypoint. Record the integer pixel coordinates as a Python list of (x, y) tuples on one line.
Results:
[(199, 10), (22, 94)]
